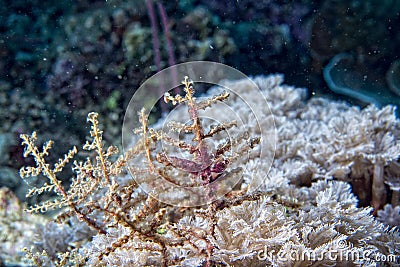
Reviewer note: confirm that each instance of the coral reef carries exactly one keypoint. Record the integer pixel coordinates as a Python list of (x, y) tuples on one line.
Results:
[(17, 228), (60, 60), (332, 140), (331, 160)]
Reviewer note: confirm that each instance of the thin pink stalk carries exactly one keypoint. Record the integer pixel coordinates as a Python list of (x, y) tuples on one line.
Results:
[(154, 34), (170, 50), (156, 47)]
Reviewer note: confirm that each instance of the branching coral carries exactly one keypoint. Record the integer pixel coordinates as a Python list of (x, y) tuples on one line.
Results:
[(297, 216), (193, 161), (120, 212)]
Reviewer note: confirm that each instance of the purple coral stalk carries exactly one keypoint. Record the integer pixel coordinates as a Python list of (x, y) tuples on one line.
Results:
[(154, 34), (156, 45), (170, 51)]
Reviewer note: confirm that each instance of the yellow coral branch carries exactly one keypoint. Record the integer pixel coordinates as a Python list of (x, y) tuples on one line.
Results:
[(97, 143)]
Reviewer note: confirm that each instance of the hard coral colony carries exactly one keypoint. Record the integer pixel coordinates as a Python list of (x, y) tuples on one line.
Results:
[(305, 205)]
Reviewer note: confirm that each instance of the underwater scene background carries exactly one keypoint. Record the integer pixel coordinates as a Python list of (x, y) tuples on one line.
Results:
[(61, 60)]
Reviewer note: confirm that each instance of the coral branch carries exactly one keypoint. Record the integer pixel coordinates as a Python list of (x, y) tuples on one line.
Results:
[(96, 144)]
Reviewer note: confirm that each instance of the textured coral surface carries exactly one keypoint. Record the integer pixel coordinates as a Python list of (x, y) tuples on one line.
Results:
[(313, 207)]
